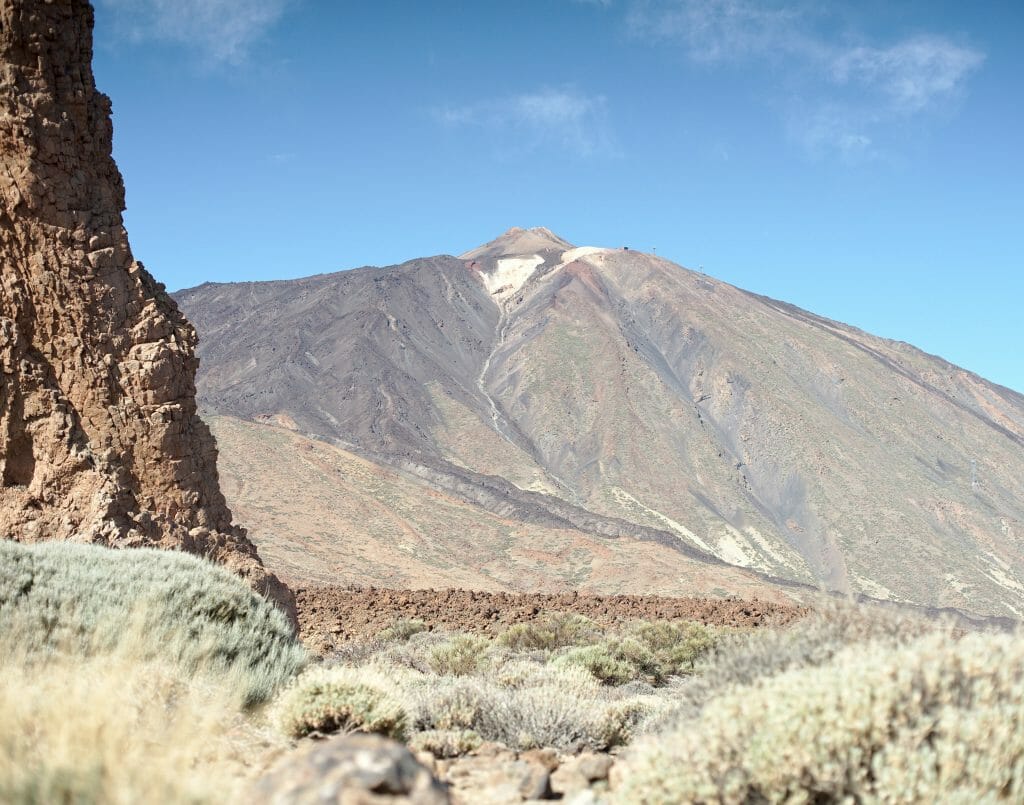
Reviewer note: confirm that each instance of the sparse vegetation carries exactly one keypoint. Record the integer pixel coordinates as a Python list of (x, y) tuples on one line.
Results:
[(462, 655), (402, 629), (557, 630), (339, 699), (846, 703), (555, 683), (445, 743)]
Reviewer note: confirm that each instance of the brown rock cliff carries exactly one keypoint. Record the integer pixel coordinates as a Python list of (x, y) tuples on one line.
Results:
[(99, 436)]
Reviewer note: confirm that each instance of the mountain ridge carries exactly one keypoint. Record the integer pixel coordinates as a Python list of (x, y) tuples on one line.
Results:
[(632, 388)]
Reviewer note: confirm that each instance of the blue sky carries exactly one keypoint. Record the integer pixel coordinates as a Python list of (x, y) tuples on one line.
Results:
[(863, 160)]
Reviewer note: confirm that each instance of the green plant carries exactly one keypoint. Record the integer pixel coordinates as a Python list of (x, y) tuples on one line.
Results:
[(557, 630), (599, 662), (445, 743), (328, 700), (401, 630), (463, 654), (660, 649), (161, 605)]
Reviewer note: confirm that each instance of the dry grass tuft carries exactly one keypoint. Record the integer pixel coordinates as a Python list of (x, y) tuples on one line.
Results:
[(112, 729)]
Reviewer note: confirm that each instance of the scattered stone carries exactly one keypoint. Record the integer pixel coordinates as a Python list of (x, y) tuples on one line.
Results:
[(579, 773), (332, 616), (547, 757), (496, 775), (349, 770)]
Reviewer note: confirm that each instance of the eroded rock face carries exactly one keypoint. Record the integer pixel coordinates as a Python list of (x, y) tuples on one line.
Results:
[(99, 436)]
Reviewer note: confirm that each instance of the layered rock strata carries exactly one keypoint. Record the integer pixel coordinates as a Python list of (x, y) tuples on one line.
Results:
[(100, 440)]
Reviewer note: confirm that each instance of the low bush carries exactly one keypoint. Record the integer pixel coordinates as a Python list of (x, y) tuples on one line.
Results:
[(445, 743), (557, 630), (598, 661), (936, 721), (669, 649), (649, 651), (446, 705), (743, 658), (462, 655), (401, 630), (531, 718), (159, 605), (564, 707), (329, 700)]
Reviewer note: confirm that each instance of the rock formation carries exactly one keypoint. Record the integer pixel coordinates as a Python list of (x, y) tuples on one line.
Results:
[(100, 440)]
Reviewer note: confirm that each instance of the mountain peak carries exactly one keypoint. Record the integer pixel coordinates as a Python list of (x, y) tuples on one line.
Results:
[(517, 241)]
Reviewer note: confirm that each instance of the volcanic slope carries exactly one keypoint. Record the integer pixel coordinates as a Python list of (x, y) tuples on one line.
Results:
[(624, 396)]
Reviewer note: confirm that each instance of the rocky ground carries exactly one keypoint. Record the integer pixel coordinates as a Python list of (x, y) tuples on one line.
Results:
[(365, 769), (381, 770), (329, 616)]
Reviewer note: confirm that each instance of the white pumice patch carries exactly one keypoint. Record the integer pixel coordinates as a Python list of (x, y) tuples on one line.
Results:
[(510, 275)]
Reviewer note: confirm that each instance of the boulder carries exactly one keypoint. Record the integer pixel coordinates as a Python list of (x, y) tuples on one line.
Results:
[(358, 769)]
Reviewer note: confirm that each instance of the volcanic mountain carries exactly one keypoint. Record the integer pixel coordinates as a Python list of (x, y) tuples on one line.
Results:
[(532, 414)]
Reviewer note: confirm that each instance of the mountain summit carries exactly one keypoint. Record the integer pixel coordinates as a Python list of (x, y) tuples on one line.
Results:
[(518, 242), (645, 409)]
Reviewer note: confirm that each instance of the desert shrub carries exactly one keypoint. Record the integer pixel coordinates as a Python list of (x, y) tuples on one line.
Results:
[(110, 729), (621, 719), (439, 704), (557, 630), (649, 651), (560, 707), (358, 652), (598, 661), (742, 658), (463, 654), (935, 721), (338, 699), (674, 647), (160, 605), (402, 629), (530, 718), (515, 672), (445, 743)]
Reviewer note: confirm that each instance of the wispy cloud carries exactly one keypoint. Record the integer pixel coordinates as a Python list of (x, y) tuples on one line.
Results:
[(717, 30), (561, 118), (221, 31), (833, 130), (843, 92), (913, 74)]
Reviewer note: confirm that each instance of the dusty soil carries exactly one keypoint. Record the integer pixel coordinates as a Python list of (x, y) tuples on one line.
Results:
[(332, 615)]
